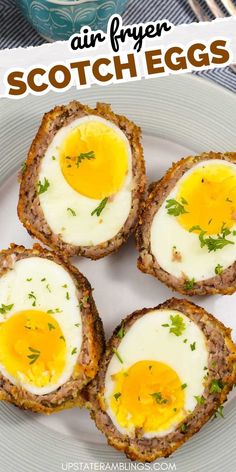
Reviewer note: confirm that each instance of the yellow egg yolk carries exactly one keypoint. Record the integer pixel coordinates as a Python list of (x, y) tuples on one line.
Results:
[(148, 396), (94, 160), (210, 196), (32, 347)]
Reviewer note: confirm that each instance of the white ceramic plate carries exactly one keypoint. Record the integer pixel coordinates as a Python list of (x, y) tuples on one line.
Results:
[(179, 115)]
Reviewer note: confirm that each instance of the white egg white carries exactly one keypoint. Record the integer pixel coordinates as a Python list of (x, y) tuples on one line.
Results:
[(82, 229), (148, 340), (166, 233), (50, 294)]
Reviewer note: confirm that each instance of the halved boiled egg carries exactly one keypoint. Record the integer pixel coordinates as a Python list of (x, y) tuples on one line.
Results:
[(51, 337), (187, 233), (84, 180), (165, 372)]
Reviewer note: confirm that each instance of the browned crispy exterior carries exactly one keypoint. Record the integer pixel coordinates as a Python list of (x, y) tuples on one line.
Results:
[(221, 366), (225, 283), (68, 395), (29, 210)]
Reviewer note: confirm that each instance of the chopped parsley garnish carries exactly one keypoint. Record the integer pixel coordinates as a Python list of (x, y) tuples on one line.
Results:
[(48, 288), (33, 357), (189, 284), (219, 412), (71, 211), (185, 340), (213, 364), (62, 337), (43, 187), (83, 301), (228, 200), (218, 269), (64, 286), (74, 350), (159, 398), (56, 310), (43, 280), (23, 168), (67, 296), (28, 280), (183, 386), (77, 325), (100, 207), (176, 208), (53, 158), (200, 400), (5, 308), (85, 155), (51, 326), (177, 325), (121, 332), (183, 428), (118, 355), (214, 244), (193, 346), (216, 386), (117, 395), (32, 297)]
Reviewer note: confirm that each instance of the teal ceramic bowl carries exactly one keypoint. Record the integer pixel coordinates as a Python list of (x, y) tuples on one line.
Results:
[(57, 20)]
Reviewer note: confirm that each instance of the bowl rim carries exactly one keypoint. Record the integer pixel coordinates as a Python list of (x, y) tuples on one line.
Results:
[(69, 2)]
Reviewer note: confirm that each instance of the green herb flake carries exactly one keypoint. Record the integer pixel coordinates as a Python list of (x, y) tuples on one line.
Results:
[(23, 168), (193, 346), (118, 355), (28, 280), (100, 207), (32, 297), (4, 309), (200, 400), (117, 395), (216, 386), (34, 356), (85, 155), (121, 332), (218, 269), (62, 337), (43, 280), (67, 296), (64, 286), (56, 310), (165, 325), (175, 208), (48, 288), (77, 325), (71, 211), (74, 351), (177, 325), (51, 326), (189, 284), (219, 412), (158, 398), (183, 428), (185, 341), (53, 158), (43, 187), (183, 386)]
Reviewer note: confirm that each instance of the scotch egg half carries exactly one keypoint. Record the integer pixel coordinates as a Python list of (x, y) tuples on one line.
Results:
[(166, 371), (51, 338), (83, 181), (187, 231)]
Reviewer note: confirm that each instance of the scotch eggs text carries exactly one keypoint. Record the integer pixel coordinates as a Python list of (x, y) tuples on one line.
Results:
[(166, 371), (83, 180), (187, 231), (51, 338)]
